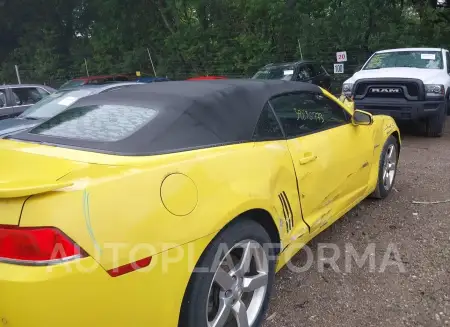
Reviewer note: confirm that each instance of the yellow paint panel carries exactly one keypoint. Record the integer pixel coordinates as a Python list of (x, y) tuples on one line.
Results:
[(10, 210)]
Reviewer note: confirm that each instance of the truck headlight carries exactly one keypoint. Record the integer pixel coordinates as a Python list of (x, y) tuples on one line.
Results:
[(347, 89), (434, 89)]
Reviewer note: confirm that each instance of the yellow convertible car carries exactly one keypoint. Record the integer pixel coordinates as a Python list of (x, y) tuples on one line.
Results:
[(174, 204)]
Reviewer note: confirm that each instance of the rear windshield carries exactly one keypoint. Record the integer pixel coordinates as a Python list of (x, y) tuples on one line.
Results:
[(101, 123)]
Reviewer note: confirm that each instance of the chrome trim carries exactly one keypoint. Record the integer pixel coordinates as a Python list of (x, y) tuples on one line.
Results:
[(39, 263)]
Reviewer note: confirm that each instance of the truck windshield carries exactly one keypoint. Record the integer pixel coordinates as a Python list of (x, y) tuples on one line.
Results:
[(410, 59)]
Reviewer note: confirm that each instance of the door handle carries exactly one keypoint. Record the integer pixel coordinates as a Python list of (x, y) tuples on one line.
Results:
[(307, 159)]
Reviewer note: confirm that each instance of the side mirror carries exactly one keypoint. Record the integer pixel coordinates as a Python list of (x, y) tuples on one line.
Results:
[(362, 118)]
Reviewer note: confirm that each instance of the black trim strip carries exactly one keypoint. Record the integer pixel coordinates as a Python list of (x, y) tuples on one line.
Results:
[(283, 205), (291, 217), (287, 211)]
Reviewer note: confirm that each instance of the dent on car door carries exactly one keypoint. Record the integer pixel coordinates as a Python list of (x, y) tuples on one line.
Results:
[(271, 145), (332, 158)]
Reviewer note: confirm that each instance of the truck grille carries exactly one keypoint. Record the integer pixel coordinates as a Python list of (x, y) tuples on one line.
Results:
[(387, 88)]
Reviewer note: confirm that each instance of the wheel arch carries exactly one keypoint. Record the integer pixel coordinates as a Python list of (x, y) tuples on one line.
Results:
[(265, 219), (396, 135)]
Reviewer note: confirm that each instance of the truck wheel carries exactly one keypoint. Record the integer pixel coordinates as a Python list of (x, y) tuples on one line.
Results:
[(388, 169), (434, 126)]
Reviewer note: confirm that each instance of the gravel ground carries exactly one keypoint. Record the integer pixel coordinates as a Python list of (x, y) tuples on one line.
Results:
[(419, 235)]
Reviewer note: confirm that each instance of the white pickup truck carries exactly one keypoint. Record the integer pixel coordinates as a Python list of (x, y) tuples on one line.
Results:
[(407, 84)]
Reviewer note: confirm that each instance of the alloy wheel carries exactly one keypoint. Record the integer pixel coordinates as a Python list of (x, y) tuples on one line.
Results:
[(239, 287), (389, 167)]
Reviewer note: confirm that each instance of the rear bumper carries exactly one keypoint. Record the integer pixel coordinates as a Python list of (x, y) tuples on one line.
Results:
[(81, 293), (402, 110)]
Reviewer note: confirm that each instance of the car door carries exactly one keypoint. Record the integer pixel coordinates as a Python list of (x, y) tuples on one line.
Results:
[(6, 107), (332, 157), (283, 185)]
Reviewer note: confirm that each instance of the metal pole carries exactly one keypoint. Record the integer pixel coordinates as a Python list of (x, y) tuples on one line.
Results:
[(18, 75), (300, 48), (85, 63), (150, 57)]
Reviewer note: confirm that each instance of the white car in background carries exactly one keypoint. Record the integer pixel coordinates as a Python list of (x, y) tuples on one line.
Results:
[(408, 84)]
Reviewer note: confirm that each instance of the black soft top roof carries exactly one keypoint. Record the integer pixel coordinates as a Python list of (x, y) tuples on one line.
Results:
[(191, 114)]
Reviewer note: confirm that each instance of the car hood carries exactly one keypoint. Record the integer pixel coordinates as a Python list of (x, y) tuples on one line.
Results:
[(14, 125), (428, 76)]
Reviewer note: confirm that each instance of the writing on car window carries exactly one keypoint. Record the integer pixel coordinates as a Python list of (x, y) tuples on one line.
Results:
[(305, 113)]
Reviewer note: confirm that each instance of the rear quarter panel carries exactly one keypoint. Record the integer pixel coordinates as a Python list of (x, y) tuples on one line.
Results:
[(116, 211)]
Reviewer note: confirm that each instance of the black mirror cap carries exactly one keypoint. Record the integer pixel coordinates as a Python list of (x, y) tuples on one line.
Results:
[(362, 118)]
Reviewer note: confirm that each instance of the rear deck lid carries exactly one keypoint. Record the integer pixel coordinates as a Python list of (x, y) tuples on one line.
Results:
[(23, 174)]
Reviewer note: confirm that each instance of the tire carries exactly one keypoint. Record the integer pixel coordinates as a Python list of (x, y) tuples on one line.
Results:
[(448, 104), (434, 125), (205, 297), (389, 156)]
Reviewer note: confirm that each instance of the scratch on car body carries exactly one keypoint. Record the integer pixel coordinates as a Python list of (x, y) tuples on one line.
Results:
[(305, 175), (320, 221), (295, 237), (365, 165), (87, 218)]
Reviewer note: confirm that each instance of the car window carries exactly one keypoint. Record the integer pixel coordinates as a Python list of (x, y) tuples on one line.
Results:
[(43, 92), (312, 68), (305, 72), (305, 113), (267, 127), (2, 98), (101, 123), (283, 72), (318, 69), (26, 95)]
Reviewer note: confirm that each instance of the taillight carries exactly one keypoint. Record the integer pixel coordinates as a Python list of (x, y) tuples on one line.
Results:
[(37, 246)]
